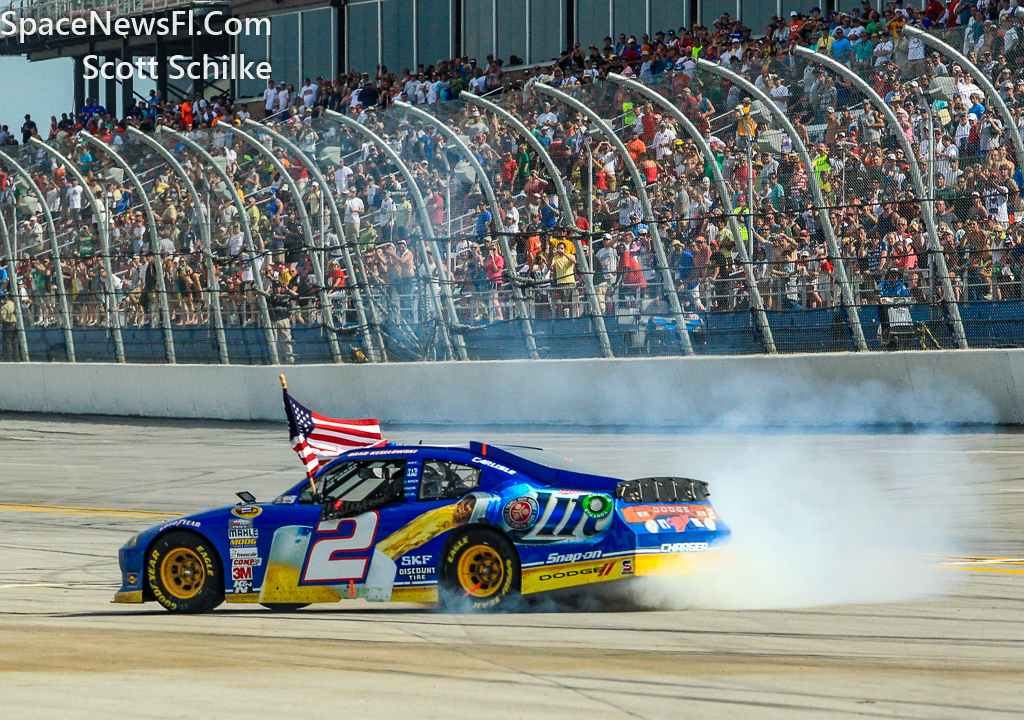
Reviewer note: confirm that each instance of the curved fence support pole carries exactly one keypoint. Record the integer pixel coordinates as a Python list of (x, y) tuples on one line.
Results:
[(845, 290), (991, 94), (58, 269), (204, 237), (767, 339), (12, 288), (250, 244), (332, 205), (568, 217), (307, 230), (428, 230), (915, 176), (668, 284), (154, 239), (492, 200), (103, 228)]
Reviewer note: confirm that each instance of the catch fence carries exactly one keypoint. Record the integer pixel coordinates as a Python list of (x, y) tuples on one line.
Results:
[(611, 219)]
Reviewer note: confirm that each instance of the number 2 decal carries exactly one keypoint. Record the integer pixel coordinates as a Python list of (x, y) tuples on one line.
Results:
[(356, 534)]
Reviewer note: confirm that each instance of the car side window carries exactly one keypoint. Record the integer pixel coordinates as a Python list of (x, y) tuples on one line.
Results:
[(447, 480), (362, 483)]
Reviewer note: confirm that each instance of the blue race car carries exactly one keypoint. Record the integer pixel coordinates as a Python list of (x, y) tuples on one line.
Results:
[(470, 526)]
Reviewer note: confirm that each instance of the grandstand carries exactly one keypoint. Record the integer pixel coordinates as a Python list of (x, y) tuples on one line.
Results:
[(749, 196)]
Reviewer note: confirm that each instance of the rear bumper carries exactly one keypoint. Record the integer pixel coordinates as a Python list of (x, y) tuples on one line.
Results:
[(674, 562)]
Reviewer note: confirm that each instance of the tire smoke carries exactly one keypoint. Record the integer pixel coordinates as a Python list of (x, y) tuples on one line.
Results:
[(820, 520)]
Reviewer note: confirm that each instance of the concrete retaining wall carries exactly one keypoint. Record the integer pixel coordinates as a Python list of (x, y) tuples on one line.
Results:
[(973, 386)]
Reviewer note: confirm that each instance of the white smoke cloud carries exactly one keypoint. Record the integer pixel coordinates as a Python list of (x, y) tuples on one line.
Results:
[(826, 520)]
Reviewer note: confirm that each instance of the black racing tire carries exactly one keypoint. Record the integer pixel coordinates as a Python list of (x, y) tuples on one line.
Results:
[(284, 607), (480, 572), (184, 573)]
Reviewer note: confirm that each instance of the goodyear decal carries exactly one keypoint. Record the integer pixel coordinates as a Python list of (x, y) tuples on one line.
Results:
[(551, 577)]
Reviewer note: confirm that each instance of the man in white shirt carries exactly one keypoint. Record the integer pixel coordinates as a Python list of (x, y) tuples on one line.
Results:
[(308, 91), (664, 140), (341, 177), (270, 97), (76, 198), (779, 93), (548, 119), (354, 209), (386, 217)]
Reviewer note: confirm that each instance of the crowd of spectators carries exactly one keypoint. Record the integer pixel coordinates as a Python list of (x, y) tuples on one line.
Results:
[(863, 173)]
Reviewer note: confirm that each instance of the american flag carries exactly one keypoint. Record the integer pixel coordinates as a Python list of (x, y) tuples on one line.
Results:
[(317, 438)]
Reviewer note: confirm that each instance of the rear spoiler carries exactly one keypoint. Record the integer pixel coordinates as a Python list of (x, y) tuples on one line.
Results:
[(662, 489)]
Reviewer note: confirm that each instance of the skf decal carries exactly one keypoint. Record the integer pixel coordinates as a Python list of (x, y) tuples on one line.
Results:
[(521, 513), (246, 511)]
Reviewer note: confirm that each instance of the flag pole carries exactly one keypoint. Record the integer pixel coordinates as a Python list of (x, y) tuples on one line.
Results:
[(287, 407)]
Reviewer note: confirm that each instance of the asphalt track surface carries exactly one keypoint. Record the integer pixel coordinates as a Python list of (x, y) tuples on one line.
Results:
[(74, 489)]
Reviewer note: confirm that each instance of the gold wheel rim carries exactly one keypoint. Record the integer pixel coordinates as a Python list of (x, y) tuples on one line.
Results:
[(481, 571), (182, 573)]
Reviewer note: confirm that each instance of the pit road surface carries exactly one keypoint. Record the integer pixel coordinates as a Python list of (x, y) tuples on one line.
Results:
[(75, 489)]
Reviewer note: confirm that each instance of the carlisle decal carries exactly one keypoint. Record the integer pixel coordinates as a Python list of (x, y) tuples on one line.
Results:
[(521, 513), (246, 511)]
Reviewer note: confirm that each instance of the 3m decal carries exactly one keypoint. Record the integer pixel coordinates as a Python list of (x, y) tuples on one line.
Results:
[(521, 513), (327, 561), (246, 511), (241, 572)]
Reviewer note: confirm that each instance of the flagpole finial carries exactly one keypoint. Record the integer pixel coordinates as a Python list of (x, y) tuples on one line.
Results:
[(284, 383)]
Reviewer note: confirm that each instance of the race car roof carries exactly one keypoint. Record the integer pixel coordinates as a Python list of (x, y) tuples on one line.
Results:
[(547, 467)]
